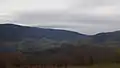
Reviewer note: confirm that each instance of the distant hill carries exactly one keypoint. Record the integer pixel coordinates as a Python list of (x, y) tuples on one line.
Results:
[(107, 37), (13, 32)]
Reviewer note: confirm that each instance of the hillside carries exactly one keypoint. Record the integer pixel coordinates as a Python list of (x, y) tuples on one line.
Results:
[(51, 46), (12, 32), (107, 37)]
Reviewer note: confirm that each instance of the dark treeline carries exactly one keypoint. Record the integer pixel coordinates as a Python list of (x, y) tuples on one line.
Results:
[(82, 54), (75, 55)]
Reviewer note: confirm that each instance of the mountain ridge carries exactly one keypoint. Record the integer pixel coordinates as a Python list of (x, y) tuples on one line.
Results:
[(10, 31), (14, 32)]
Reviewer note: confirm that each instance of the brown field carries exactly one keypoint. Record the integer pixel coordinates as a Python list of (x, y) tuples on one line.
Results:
[(98, 66), (94, 66)]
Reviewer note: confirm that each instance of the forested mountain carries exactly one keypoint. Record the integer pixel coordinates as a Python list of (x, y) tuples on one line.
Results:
[(107, 37), (35, 39), (12, 32)]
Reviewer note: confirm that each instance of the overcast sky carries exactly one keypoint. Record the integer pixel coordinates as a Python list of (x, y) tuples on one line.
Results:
[(84, 16)]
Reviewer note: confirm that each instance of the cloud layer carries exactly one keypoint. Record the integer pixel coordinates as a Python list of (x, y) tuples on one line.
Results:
[(85, 16)]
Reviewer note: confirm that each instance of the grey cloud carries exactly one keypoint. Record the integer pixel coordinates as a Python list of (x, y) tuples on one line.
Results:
[(65, 18), (81, 23), (94, 3)]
